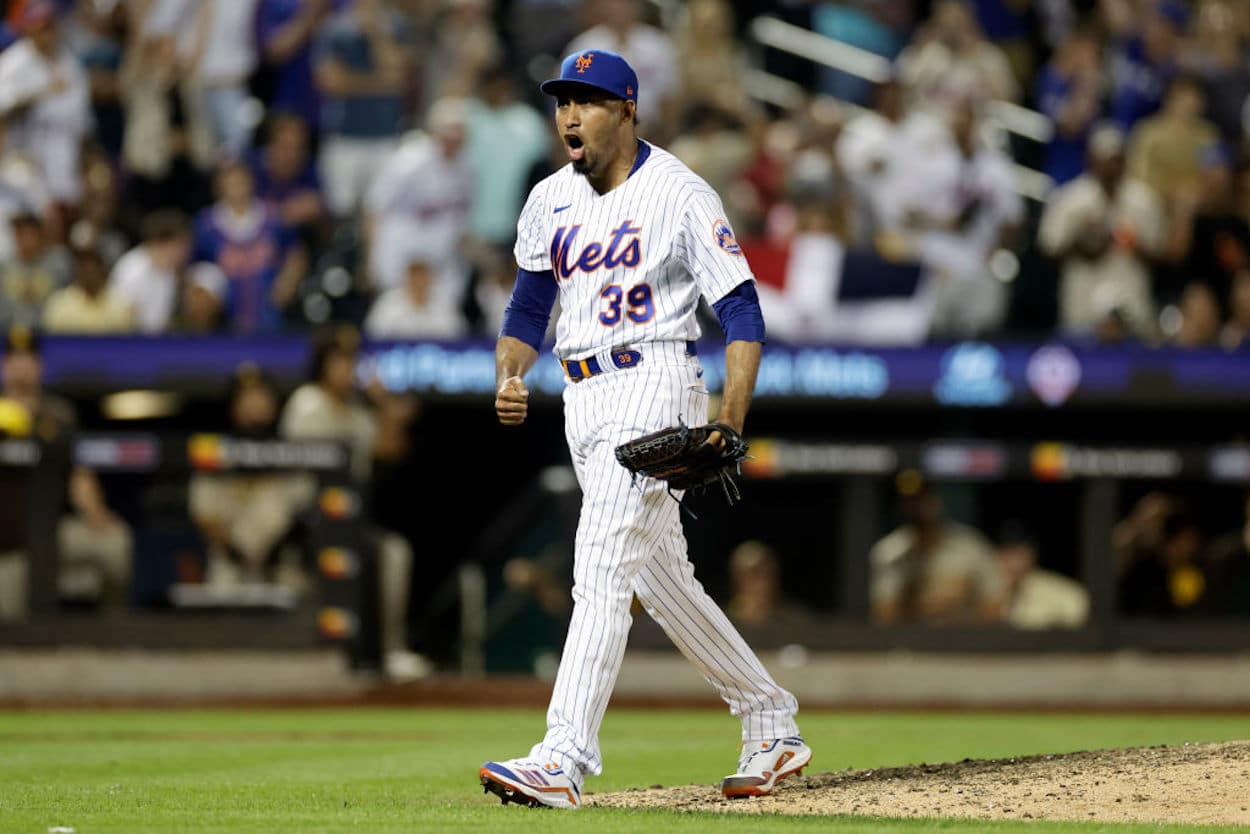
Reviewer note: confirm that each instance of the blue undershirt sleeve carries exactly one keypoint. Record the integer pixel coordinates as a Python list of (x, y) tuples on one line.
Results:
[(740, 315), (529, 309)]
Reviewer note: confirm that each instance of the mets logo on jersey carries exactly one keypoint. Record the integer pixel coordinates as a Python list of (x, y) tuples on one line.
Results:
[(623, 248), (725, 238), (584, 61)]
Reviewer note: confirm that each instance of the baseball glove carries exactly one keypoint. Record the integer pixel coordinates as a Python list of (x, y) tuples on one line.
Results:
[(682, 457)]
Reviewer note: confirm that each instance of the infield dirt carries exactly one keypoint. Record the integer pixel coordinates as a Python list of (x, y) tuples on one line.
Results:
[(1198, 783)]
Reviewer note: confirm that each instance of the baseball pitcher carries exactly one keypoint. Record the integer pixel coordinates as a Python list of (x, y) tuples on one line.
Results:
[(630, 238)]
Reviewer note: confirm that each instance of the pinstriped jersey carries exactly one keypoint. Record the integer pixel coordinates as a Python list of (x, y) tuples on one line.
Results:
[(631, 263)]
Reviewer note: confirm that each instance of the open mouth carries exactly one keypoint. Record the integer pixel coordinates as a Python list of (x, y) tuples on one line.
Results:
[(576, 149)]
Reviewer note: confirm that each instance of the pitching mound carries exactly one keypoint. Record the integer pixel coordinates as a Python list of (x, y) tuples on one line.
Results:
[(1196, 783)]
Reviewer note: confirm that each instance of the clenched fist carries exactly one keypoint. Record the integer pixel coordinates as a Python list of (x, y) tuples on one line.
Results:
[(512, 401)]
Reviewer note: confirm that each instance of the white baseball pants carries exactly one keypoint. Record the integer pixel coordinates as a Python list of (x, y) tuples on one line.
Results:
[(630, 542)]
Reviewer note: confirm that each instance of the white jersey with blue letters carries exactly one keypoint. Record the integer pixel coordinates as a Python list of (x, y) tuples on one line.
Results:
[(631, 263)]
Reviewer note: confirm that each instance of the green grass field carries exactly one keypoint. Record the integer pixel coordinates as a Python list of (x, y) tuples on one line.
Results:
[(415, 770)]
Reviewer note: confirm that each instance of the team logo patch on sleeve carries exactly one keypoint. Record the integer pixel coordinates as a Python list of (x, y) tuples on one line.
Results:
[(725, 238)]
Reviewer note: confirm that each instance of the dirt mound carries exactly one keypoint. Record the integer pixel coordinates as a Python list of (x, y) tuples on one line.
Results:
[(1194, 783)]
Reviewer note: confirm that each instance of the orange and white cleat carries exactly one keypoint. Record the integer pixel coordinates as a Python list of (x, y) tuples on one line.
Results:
[(530, 782), (765, 763)]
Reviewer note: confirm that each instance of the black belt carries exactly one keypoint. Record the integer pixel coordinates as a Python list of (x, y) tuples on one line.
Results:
[(579, 369)]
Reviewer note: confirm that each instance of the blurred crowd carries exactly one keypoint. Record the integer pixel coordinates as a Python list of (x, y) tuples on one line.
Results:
[(1171, 565), (1167, 563), (254, 530), (1135, 230), (933, 569), (251, 166)]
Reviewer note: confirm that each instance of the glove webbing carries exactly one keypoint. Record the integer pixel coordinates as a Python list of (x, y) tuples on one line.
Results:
[(729, 487)]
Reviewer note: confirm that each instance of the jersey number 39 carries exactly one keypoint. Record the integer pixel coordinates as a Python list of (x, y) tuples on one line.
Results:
[(638, 297)]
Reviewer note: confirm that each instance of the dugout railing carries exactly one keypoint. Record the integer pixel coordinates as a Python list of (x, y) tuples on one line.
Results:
[(1097, 478), (166, 612), (854, 477)]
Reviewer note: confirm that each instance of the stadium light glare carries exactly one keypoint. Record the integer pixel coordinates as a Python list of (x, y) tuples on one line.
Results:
[(140, 405)]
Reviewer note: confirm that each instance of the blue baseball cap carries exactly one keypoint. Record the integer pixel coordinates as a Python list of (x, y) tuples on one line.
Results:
[(596, 69)]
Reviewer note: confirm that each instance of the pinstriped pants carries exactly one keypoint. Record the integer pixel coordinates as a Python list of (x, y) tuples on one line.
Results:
[(629, 541)]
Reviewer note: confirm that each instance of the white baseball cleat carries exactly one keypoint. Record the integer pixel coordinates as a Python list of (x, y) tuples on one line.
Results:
[(530, 782), (763, 764)]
